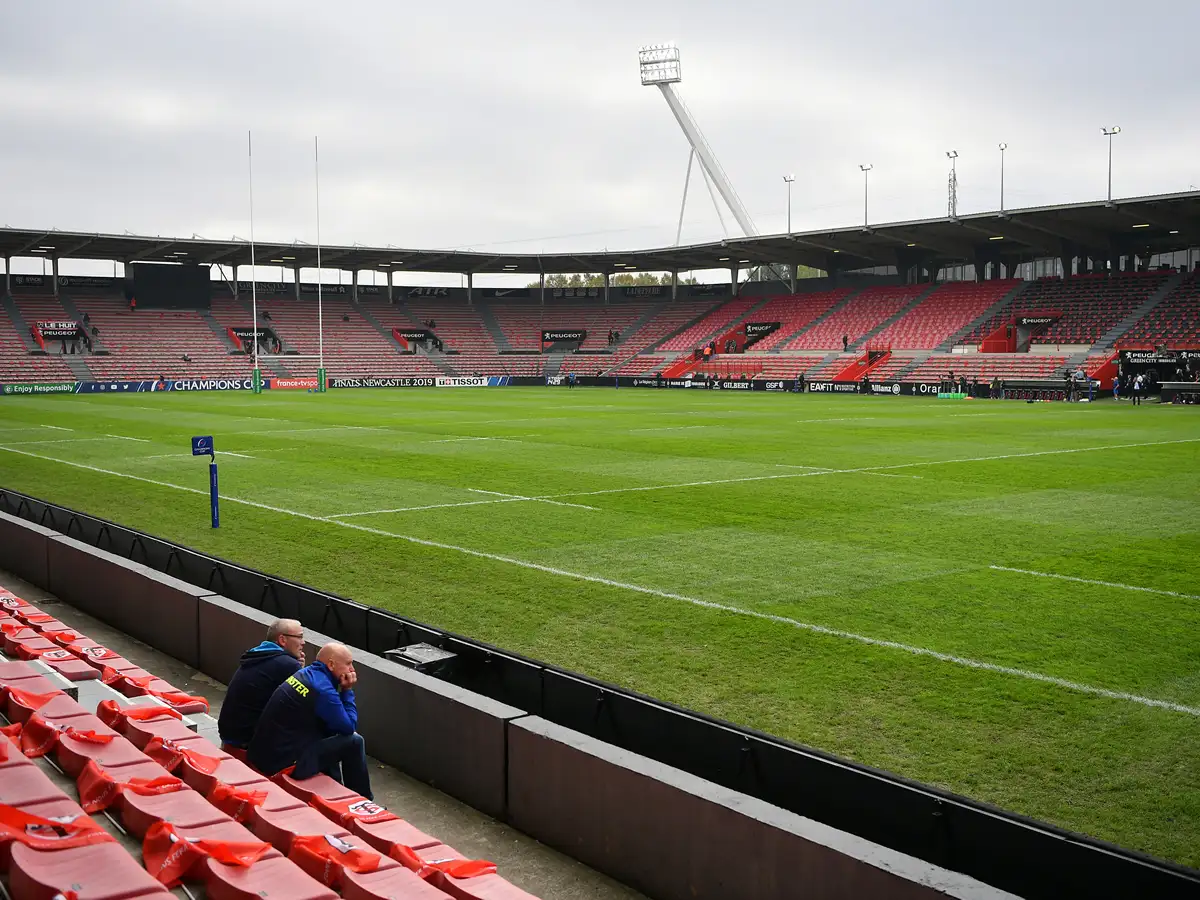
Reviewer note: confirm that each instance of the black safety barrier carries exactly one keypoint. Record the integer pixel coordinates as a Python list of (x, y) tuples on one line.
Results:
[(1029, 858)]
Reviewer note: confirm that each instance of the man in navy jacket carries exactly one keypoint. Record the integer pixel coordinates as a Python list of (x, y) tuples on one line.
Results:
[(261, 670), (310, 723)]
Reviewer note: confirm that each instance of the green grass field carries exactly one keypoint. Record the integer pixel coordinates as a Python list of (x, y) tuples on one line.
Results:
[(684, 544)]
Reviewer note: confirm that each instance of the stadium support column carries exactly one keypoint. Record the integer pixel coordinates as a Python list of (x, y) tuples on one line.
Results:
[(296, 280), (607, 283), (674, 283), (233, 281), (389, 285), (733, 278), (542, 289), (54, 274), (8, 274), (470, 288), (354, 285), (795, 274)]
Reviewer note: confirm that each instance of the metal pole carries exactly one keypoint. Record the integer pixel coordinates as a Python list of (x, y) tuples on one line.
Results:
[(687, 180), (320, 313), (866, 170), (1110, 133), (253, 278), (1003, 147), (789, 179)]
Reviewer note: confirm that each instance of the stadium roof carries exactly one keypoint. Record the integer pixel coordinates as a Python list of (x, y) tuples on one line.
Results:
[(1139, 225)]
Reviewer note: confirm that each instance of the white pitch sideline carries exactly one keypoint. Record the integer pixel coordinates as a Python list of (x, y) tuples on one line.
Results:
[(504, 498), (706, 604)]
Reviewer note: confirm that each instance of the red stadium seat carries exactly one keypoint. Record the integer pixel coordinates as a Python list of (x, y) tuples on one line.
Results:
[(388, 884), (230, 772), (139, 733), (98, 872), (25, 785), (52, 706), (279, 827), (268, 879), (317, 786), (68, 665), (327, 858), (486, 886), (74, 752), (380, 828), (184, 809), (61, 808)]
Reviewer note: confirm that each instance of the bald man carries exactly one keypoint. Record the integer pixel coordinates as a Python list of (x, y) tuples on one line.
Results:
[(311, 723), (261, 670)]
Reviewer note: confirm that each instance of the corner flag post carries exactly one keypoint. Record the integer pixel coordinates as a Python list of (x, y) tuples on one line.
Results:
[(204, 446)]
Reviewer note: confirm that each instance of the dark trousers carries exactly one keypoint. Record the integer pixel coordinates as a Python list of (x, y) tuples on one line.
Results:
[(343, 757)]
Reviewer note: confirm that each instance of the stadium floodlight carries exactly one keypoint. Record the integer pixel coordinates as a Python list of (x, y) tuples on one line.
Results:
[(660, 67), (1110, 133), (660, 64), (952, 201)]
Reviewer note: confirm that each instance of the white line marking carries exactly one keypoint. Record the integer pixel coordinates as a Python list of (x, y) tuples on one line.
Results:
[(536, 499), (706, 604), (849, 419), (122, 438), (1111, 584), (400, 509), (931, 462), (58, 428), (62, 440), (670, 428), (457, 440), (231, 453), (304, 430), (817, 470)]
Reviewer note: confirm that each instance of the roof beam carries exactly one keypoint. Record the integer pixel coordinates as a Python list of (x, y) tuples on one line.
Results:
[(1009, 230), (150, 251), (1079, 236), (71, 251), (951, 249), (25, 248)]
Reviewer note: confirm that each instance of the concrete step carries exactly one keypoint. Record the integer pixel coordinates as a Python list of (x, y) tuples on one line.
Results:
[(68, 303), (222, 335), (493, 327)]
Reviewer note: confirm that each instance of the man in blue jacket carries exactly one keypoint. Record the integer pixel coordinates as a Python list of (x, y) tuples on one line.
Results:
[(261, 670), (310, 723)]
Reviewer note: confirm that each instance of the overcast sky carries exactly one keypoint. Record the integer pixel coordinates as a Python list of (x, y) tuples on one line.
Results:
[(524, 126)]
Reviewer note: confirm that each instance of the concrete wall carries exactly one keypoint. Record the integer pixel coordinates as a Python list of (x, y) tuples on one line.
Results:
[(669, 834)]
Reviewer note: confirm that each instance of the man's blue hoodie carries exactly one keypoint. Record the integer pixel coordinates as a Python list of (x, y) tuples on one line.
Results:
[(306, 708), (262, 669)]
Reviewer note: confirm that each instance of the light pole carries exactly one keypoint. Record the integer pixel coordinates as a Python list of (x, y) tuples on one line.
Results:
[(952, 202), (1003, 147), (1110, 133), (789, 179), (866, 170)]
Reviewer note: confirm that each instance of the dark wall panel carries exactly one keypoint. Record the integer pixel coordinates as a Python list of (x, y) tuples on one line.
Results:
[(152, 607), (677, 837), (23, 549)]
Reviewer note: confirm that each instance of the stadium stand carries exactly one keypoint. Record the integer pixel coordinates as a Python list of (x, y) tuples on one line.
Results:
[(868, 309), (469, 342), (522, 323), (794, 312), (716, 322), (1091, 305), (785, 365), (150, 343), (16, 363), (951, 307), (201, 816), (1175, 322)]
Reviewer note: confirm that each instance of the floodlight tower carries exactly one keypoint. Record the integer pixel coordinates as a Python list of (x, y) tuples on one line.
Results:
[(661, 68)]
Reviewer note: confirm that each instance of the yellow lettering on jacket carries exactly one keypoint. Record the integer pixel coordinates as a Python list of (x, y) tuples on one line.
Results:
[(299, 685)]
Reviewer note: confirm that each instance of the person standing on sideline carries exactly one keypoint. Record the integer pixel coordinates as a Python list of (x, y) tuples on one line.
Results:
[(1138, 387), (261, 670), (311, 724), (1117, 386)]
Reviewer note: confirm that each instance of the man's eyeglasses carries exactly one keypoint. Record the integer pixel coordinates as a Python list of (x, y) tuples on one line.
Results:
[(285, 634)]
